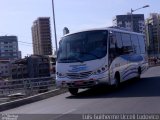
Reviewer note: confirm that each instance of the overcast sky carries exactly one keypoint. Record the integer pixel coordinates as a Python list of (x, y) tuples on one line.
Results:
[(17, 16)]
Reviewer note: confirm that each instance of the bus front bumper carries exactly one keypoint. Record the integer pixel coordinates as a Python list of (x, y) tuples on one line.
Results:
[(85, 83)]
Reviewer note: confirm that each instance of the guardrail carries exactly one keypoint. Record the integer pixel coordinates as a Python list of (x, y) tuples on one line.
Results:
[(26, 87), (15, 93)]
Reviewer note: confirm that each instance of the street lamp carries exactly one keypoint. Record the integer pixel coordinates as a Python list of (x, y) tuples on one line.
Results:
[(54, 24), (134, 11)]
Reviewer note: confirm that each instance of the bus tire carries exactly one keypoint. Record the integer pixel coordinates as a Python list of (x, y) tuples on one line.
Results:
[(73, 91), (139, 73), (117, 81)]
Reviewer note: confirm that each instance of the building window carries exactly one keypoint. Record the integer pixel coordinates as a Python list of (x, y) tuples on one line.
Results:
[(14, 54)]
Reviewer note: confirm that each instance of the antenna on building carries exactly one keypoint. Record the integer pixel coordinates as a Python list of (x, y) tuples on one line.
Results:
[(65, 30)]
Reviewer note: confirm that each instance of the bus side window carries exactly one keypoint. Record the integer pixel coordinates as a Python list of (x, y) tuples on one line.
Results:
[(135, 44), (112, 45), (116, 46), (119, 44), (141, 43), (127, 45)]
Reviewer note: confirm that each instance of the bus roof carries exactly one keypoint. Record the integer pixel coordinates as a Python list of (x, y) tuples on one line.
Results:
[(118, 29)]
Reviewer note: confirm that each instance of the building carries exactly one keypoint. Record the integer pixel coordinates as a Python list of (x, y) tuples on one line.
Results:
[(19, 69), (5, 71), (125, 21), (9, 47), (65, 30), (153, 34), (52, 61), (38, 66), (33, 66), (41, 36)]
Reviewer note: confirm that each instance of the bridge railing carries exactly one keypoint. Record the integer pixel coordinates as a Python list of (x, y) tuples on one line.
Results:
[(28, 86)]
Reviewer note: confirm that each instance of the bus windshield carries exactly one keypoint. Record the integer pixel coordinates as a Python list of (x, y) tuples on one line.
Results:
[(83, 46)]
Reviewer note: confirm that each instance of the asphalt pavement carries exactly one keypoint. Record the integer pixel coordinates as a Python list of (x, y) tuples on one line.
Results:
[(133, 97)]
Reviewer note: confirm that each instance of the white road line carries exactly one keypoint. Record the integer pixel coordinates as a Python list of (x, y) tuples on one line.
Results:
[(69, 111), (63, 114)]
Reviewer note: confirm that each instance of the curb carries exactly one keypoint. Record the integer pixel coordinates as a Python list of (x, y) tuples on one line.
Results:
[(31, 99)]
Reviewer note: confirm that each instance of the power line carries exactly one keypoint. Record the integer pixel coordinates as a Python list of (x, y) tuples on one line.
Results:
[(29, 44)]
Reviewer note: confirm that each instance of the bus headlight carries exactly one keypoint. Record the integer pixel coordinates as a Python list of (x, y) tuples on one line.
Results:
[(101, 70), (60, 75)]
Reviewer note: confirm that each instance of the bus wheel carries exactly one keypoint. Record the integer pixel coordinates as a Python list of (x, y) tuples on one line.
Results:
[(73, 91), (117, 81), (139, 73)]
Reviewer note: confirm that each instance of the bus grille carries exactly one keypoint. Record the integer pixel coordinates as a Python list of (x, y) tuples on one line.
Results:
[(79, 75)]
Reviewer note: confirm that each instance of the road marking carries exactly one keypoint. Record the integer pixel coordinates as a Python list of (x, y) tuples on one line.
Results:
[(69, 111), (63, 114)]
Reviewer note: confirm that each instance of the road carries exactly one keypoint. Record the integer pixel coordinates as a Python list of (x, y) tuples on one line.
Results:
[(134, 96)]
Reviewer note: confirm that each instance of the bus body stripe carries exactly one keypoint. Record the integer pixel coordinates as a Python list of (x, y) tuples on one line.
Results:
[(129, 74)]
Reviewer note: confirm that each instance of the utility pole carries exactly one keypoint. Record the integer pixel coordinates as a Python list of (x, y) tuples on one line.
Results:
[(54, 24)]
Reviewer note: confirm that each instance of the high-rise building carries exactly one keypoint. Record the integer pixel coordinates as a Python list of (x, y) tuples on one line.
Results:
[(153, 34), (9, 47), (127, 20), (41, 36)]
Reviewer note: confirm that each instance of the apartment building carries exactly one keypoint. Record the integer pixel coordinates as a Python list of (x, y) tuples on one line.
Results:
[(127, 20), (153, 34), (9, 47), (41, 36)]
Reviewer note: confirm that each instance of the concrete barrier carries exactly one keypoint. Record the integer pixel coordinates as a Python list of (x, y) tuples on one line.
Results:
[(31, 99)]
